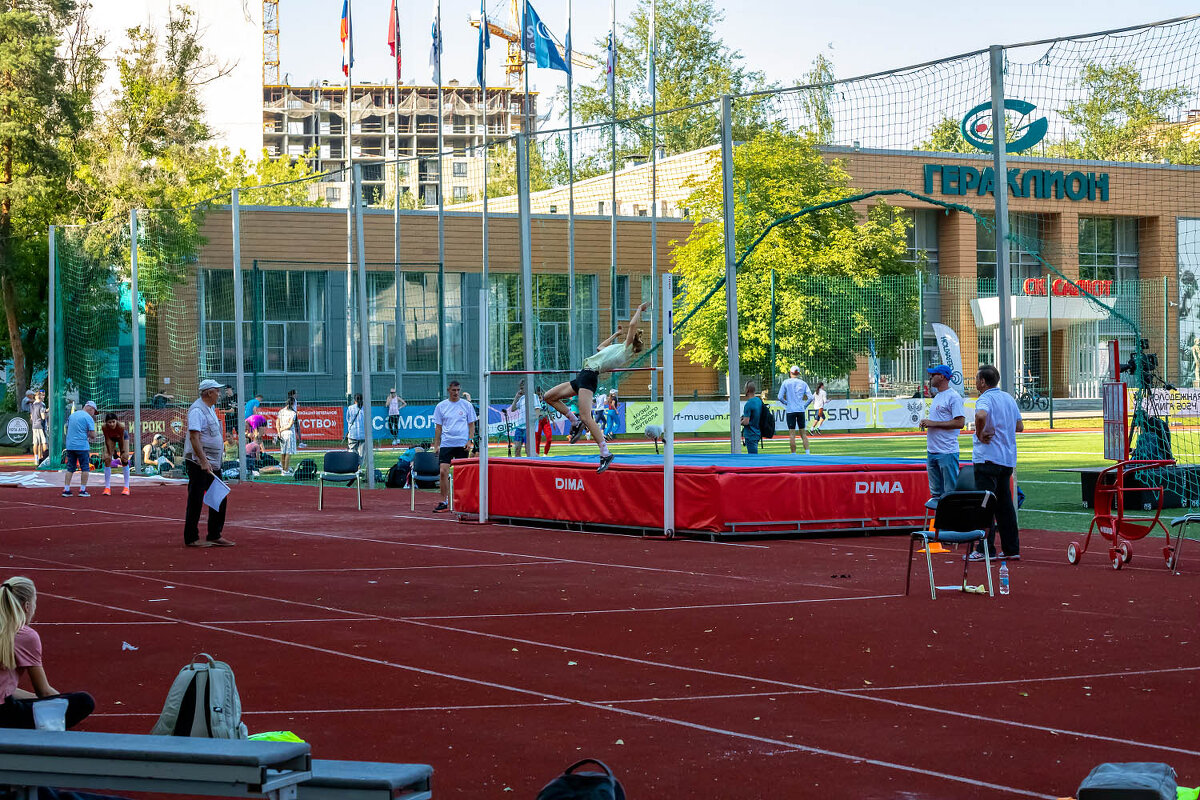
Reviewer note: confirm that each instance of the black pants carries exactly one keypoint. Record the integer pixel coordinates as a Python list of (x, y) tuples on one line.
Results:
[(198, 483), (16, 713), (998, 480)]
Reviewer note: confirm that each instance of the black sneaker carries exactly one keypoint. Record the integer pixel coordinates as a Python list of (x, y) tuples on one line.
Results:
[(576, 431), (442, 506), (604, 462)]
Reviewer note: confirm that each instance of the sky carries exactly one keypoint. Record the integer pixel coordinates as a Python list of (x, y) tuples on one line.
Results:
[(778, 37)]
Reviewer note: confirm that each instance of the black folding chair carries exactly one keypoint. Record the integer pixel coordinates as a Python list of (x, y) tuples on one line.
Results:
[(339, 466), (961, 517), (426, 474)]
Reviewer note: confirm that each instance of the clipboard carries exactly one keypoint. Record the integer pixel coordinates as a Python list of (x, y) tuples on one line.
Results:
[(216, 494)]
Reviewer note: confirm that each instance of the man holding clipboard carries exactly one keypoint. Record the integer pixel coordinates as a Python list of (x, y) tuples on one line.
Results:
[(202, 451)]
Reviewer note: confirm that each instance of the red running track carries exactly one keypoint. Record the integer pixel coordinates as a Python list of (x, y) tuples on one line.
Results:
[(783, 669)]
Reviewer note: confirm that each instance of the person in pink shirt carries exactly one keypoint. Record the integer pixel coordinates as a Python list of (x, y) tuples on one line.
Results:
[(21, 657)]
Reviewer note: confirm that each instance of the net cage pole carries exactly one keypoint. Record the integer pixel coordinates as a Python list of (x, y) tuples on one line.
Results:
[(1003, 268), (484, 400), (526, 284), (135, 331), (52, 362), (364, 329), (239, 319), (668, 401), (731, 314)]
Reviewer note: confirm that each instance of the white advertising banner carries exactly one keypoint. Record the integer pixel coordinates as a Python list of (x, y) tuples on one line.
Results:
[(951, 354)]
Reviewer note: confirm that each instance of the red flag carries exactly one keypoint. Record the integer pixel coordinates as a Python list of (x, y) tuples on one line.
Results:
[(347, 39), (394, 37)]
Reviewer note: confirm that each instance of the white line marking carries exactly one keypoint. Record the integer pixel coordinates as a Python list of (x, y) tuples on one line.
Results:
[(789, 745), (272, 571), (297, 711), (1068, 513), (1024, 481), (42, 624)]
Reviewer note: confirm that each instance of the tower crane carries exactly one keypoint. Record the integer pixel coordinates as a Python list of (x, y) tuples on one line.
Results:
[(514, 63)]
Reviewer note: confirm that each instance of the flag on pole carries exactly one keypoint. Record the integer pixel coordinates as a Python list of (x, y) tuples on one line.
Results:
[(435, 48), (540, 42), (485, 40), (611, 62), (347, 39), (652, 52), (394, 36)]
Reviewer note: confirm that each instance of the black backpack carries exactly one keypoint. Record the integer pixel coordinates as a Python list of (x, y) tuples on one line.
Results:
[(397, 476), (766, 422), (306, 470), (572, 785)]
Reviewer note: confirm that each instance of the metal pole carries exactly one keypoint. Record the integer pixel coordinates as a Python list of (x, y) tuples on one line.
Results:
[(773, 367), (441, 214), (654, 201), (349, 234), (52, 364), (483, 276), (364, 343), (1000, 169), (1050, 352), (239, 317), (1165, 360), (526, 285), (731, 320), (484, 400), (398, 314), (612, 245), (136, 330), (668, 333), (920, 327), (572, 327)]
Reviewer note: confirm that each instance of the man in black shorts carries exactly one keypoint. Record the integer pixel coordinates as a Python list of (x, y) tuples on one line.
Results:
[(454, 429)]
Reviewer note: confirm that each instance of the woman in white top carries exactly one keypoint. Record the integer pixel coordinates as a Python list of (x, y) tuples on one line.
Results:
[(608, 356), (285, 432), (819, 400)]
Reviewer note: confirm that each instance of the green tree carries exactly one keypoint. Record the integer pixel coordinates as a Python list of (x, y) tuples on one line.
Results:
[(946, 137), (841, 279), (45, 95), (694, 66)]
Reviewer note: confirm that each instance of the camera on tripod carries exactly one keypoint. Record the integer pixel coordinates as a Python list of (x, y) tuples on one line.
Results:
[(1149, 361)]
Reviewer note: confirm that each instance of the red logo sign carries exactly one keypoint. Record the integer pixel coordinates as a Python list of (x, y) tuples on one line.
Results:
[(1064, 288)]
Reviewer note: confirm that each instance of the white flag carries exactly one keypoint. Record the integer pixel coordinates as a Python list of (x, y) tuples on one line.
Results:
[(435, 47), (652, 52), (951, 354)]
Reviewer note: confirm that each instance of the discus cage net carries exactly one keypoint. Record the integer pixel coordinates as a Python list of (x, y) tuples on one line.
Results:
[(863, 211)]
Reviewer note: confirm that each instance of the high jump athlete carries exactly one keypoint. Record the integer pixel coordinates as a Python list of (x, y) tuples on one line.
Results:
[(116, 448), (608, 356)]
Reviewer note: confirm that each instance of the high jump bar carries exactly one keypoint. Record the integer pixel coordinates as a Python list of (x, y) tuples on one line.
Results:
[(563, 371)]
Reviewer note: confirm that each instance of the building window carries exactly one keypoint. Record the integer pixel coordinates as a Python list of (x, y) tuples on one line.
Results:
[(460, 169), (553, 209), (621, 297), (462, 193), (284, 327), (1028, 235), (418, 322), (1108, 248), (552, 346), (600, 208), (648, 290), (332, 194)]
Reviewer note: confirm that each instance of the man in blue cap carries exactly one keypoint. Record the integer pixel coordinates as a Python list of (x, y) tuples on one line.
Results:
[(947, 416)]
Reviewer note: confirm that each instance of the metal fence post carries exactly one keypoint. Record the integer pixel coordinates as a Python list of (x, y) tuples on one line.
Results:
[(54, 333), (1000, 192), (668, 377), (239, 346), (484, 400), (364, 330), (527, 331), (731, 321), (135, 329)]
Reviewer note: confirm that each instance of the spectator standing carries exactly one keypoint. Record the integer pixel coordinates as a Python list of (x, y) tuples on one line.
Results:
[(229, 403), (454, 427), (997, 423), (751, 412), (21, 656), (37, 421), (285, 432), (545, 429), (394, 404), (81, 430), (947, 416), (614, 419), (252, 406), (355, 426), (202, 458), (516, 412), (26, 401), (820, 399), (296, 407), (795, 396)]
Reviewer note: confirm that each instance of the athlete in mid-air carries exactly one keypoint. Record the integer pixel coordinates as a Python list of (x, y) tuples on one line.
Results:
[(608, 356)]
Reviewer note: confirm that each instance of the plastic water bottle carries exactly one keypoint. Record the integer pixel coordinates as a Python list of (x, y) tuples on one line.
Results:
[(1004, 579)]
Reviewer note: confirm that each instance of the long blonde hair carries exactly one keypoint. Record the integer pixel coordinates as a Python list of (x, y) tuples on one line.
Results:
[(15, 593)]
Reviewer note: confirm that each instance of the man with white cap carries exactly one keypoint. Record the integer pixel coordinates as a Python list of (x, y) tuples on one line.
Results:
[(81, 430), (202, 451), (795, 396)]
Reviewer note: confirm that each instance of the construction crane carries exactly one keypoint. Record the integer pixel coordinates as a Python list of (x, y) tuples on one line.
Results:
[(270, 27), (514, 64)]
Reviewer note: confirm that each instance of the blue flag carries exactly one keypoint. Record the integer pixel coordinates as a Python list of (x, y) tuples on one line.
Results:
[(485, 40), (540, 43)]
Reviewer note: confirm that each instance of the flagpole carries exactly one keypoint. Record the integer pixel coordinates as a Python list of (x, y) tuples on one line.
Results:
[(572, 328), (612, 245), (398, 347), (653, 201), (528, 142), (349, 55), (441, 214), (483, 33)]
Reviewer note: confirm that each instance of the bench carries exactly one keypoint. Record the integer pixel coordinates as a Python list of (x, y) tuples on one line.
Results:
[(365, 780), (141, 763)]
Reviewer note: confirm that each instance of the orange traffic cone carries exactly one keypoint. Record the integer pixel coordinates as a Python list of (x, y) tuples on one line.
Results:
[(935, 547)]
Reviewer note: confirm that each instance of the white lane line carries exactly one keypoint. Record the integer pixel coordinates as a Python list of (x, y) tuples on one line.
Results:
[(285, 570), (1024, 481), (789, 745), (400, 709), (217, 622), (669, 666), (1068, 513)]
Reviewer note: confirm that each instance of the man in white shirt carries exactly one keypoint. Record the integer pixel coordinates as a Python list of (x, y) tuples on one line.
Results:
[(453, 429), (202, 451), (795, 396), (997, 423), (947, 416)]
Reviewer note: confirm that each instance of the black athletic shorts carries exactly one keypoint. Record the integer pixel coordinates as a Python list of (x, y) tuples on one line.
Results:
[(586, 379), (795, 419), (448, 454)]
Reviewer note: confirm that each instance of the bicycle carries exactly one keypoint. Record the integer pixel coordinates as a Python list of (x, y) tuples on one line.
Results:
[(1029, 399)]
